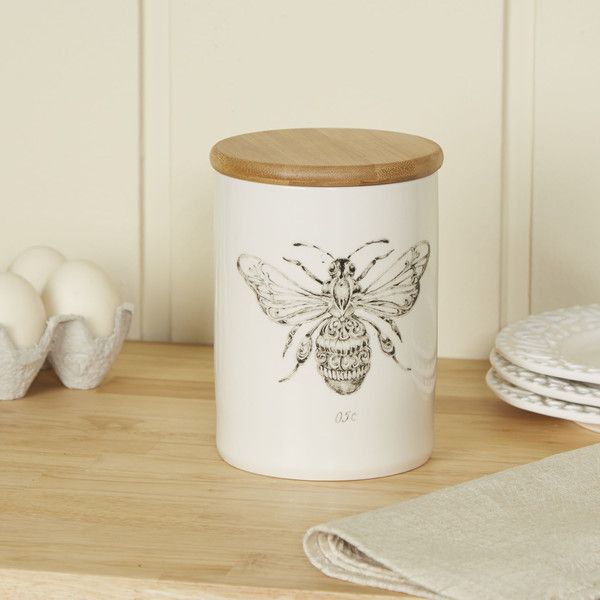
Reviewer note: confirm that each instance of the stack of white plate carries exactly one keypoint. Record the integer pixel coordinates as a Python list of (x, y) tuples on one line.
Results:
[(550, 364)]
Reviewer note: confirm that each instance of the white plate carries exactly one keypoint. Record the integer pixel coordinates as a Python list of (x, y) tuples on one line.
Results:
[(563, 343), (561, 389), (511, 394)]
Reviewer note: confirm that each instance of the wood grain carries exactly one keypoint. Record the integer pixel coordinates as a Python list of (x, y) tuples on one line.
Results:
[(119, 492), (326, 157)]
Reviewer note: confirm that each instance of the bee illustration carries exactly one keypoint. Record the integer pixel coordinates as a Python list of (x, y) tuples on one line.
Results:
[(343, 310)]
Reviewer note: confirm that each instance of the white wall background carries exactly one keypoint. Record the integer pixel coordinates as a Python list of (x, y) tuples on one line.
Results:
[(69, 133), (109, 109)]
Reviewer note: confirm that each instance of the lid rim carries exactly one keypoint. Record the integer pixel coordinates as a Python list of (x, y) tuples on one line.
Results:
[(405, 157)]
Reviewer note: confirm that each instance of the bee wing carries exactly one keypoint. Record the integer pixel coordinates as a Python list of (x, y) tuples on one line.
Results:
[(281, 299), (394, 292)]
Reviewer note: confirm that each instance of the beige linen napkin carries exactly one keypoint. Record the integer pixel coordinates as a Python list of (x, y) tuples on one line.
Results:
[(527, 533)]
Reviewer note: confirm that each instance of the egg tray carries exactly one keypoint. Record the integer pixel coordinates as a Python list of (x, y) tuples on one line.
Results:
[(80, 360)]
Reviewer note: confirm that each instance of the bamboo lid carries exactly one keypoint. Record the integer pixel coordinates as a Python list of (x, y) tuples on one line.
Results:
[(326, 157)]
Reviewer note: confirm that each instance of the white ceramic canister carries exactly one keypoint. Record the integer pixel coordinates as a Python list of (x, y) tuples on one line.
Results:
[(326, 301)]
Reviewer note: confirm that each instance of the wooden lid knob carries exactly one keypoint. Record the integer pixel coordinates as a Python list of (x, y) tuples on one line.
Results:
[(326, 157)]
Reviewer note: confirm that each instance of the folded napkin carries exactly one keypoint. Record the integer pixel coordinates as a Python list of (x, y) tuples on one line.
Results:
[(526, 533)]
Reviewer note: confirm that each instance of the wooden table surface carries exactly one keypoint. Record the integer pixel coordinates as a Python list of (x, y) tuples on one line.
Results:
[(119, 492)]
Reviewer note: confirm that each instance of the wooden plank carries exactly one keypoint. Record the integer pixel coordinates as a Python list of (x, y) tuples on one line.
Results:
[(566, 179), (70, 134), (517, 159), (120, 490), (156, 170), (226, 79)]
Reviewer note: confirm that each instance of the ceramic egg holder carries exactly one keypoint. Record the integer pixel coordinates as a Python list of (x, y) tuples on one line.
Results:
[(19, 366), (80, 360)]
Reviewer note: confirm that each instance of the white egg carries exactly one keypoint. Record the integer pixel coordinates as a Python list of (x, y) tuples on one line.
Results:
[(22, 312), (36, 264), (80, 287)]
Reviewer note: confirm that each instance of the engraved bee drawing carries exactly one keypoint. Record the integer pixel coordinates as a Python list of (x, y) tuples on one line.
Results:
[(348, 306)]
